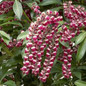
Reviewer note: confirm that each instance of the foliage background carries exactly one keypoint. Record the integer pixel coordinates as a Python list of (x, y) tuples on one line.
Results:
[(11, 59)]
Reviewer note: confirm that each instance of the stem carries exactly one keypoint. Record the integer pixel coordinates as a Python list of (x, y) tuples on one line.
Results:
[(70, 83), (26, 16), (41, 84)]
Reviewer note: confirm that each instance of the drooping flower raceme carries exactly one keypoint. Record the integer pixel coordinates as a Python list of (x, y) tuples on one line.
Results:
[(43, 40), (75, 15), (76, 18), (43, 35)]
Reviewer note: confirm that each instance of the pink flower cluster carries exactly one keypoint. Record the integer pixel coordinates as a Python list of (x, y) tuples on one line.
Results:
[(67, 34), (13, 43), (66, 58), (5, 6), (76, 15), (76, 19), (42, 36), (36, 8)]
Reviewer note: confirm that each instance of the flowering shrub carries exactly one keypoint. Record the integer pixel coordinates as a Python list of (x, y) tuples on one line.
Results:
[(42, 43)]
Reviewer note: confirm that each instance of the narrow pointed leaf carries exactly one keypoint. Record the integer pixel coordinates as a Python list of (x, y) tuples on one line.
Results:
[(80, 38), (81, 50), (77, 74), (49, 2), (10, 83), (2, 33), (17, 8), (22, 35), (13, 23), (80, 83)]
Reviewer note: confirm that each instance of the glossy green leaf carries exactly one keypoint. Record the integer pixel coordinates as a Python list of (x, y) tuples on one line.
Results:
[(2, 33), (10, 83), (80, 38), (77, 74), (49, 2), (81, 50), (14, 23), (64, 44), (22, 35), (17, 8), (80, 83)]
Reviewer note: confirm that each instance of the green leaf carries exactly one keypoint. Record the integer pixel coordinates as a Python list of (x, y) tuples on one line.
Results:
[(17, 8), (82, 67), (64, 44), (25, 41), (2, 17), (2, 33), (8, 19), (80, 83), (77, 74), (80, 38), (6, 40), (56, 9), (38, 1), (10, 83), (14, 61), (61, 22), (22, 35), (49, 2), (14, 23), (60, 82), (29, 4), (81, 50)]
